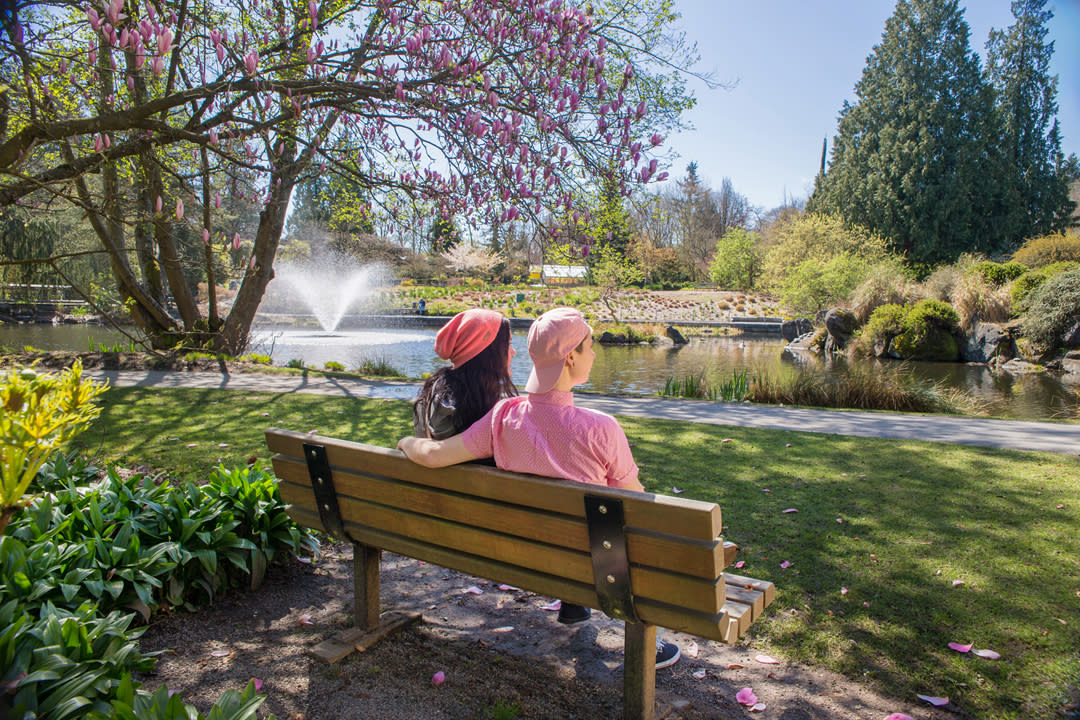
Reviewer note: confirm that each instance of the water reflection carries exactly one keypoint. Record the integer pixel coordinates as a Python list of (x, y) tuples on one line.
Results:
[(637, 369)]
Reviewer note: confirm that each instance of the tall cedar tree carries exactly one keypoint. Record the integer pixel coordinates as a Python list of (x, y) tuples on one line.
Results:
[(916, 158), (1018, 63)]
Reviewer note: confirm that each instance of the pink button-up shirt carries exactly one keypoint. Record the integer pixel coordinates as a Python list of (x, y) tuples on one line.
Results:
[(544, 434)]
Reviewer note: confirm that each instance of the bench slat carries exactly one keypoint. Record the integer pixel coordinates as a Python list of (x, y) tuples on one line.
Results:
[(703, 559), (704, 595), (680, 516), (726, 626)]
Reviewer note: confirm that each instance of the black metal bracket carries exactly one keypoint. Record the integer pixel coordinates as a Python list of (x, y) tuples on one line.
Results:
[(611, 567), (322, 482)]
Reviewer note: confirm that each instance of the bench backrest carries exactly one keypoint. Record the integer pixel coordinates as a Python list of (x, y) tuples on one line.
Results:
[(524, 530)]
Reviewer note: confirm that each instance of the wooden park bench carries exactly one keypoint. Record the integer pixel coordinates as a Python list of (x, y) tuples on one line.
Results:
[(650, 560)]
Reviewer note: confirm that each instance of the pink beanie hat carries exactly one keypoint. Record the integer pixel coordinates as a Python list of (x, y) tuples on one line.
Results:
[(466, 335), (551, 338)]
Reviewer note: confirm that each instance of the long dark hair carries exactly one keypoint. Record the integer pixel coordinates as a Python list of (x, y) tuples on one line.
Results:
[(475, 386)]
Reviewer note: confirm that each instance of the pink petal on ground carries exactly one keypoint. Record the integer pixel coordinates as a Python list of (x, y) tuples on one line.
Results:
[(843, 591), (304, 619), (691, 649), (508, 588), (766, 660), (938, 701), (1059, 506), (553, 605), (223, 445), (786, 564), (192, 445), (258, 684), (758, 707), (676, 490), (840, 520), (473, 590), (739, 564), (791, 510), (746, 696), (899, 716), (866, 603), (766, 490), (727, 440), (699, 674), (956, 583), (988, 654), (503, 629), (961, 648), (174, 692), (438, 678), (734, 666)]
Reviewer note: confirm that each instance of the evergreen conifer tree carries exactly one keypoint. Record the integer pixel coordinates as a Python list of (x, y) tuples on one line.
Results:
[(915, 158), (1018, 68)]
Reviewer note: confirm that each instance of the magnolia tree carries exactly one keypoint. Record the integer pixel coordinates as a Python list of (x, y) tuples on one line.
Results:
[(160, 117)]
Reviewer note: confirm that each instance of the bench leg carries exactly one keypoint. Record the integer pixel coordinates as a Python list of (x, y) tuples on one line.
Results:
[(639, 672), (369, 626), (366, 608)]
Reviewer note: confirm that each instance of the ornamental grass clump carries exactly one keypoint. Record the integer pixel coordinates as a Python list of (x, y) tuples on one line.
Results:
[(1054, 310), (41, 412)]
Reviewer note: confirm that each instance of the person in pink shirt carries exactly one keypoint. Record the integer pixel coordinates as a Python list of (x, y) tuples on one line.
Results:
[(545, 434)]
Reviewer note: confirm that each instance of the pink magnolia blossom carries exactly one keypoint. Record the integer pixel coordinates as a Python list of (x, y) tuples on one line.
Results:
[(179, 209), (251, 62)]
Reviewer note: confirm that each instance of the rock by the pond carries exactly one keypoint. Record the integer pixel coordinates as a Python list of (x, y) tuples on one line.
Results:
[(676, 337), (791, 329), (610, 338), (1071, 362), (804, 343), (1071, 338), (1016, 366), (986, 342), (840, 323)]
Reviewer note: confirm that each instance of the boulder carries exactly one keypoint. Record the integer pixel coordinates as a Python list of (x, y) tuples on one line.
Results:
[(1071, 362), (610, 338), (807, 342), (986, 342), (791, 329), (676, 336), (841, 324), (1071, 338), (1017, 366)]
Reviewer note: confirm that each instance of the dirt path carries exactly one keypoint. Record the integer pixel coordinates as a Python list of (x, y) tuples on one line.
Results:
[(498, 650)]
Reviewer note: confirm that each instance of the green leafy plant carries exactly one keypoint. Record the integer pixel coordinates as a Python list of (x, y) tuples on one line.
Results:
[(255, 358), (295, 363), (377, 367), (334, 366), (999, 273), (1022, 288), (41, 412), (1053, 309)]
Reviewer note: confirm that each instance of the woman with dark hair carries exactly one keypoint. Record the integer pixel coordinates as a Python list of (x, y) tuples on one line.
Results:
[(477, 344)]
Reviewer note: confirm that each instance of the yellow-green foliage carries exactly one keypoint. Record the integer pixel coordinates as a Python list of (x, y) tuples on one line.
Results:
[(999, 273), (40, 413), (1054, 308), (1047, 249), (885, 323), (821, 238)]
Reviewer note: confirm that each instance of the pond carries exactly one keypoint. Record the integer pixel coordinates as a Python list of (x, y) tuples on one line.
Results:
[(636, 370)]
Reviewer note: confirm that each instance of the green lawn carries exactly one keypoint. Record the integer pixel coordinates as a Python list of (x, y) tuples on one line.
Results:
[(895, 522)]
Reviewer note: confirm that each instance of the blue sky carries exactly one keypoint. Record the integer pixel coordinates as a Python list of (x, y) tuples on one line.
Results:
[(793, 63)]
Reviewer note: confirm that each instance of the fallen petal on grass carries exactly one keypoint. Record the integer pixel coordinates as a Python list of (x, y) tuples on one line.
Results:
[(958, 647), (786, 564), (739, 564), (473, 590), (304, 619), (792, 510), (553, 605), (936, 701), (438, 678), (957, 583), (843, 591), (508, 588), (746, 696), (988, 654), (766, 660)]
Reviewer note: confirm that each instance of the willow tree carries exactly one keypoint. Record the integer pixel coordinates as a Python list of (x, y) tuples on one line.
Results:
[(145, 113)]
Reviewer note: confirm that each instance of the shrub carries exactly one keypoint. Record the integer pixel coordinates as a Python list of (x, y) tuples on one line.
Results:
[(738, 259), (979, 300), (40, 413), (821, 238), (379, 367), (885, 323), (255, 358), (1047, 249), (1053, 309), (998, 273), (928, 329), (1022, 288), (334, 366), (295, 363)]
